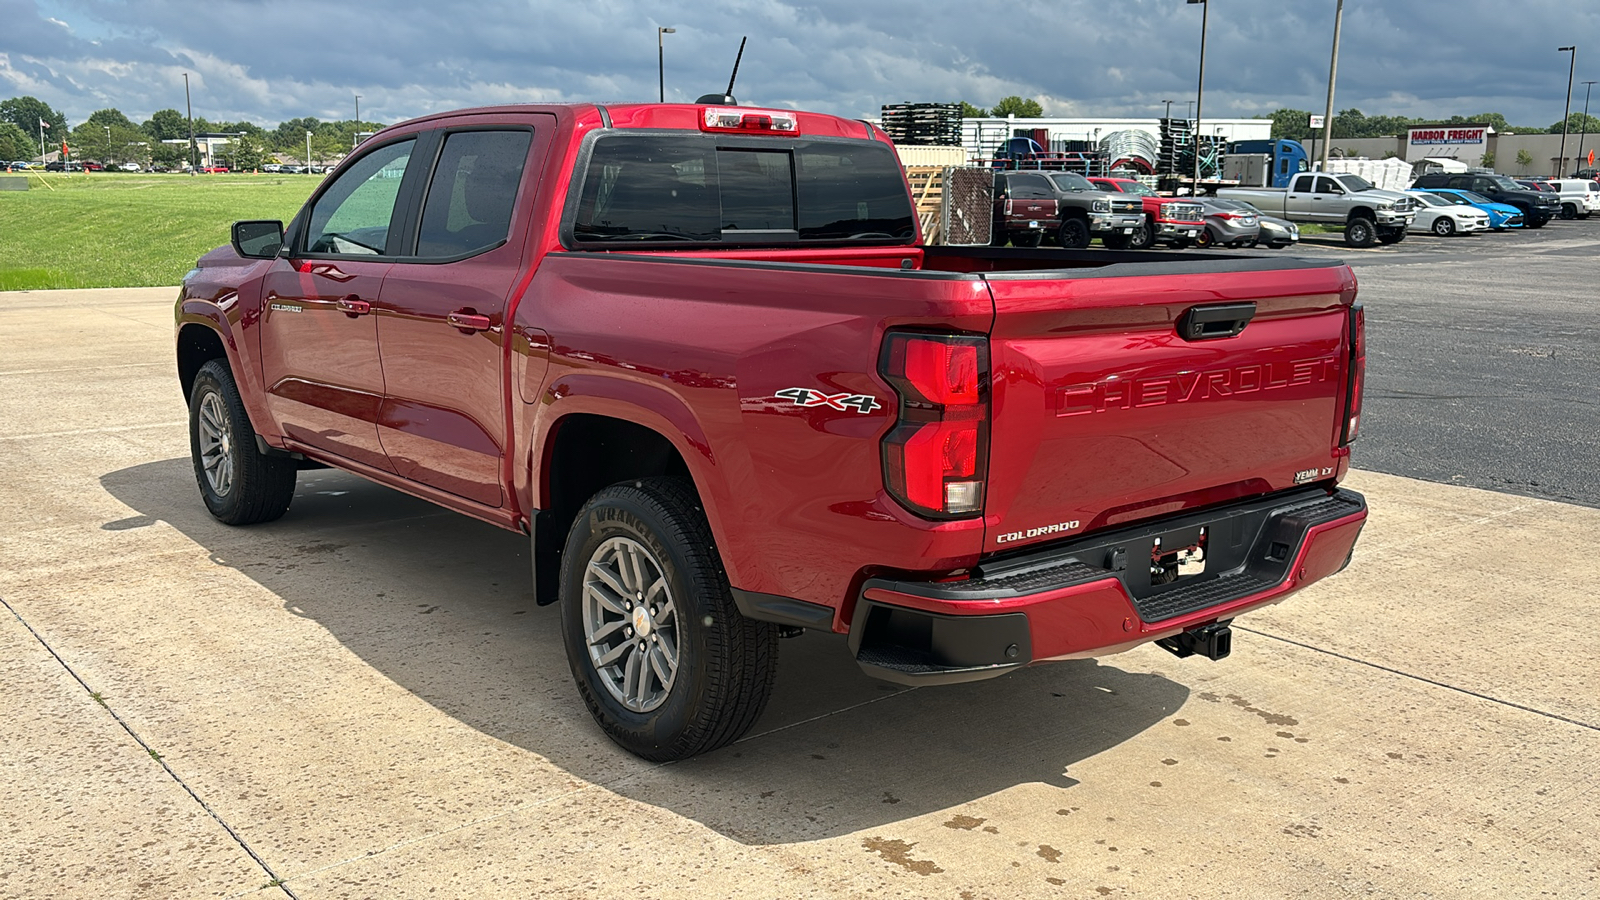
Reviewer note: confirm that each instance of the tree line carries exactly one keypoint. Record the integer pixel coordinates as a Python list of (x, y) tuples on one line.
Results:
[(110, 137), (1293, 124)]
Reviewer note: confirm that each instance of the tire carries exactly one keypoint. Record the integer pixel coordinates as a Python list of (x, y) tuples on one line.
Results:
[(1074, 234), (1360, 232), (1535, 221), (1030, 238), (1205, 239), (1391, 236), (239, 484), (708, 678), (1568, 211), (1143, 238), (1444, 226), (1118, 241), (1182, 243)]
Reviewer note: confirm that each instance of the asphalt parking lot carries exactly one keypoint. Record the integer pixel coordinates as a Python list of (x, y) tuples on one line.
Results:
[(360, 700)]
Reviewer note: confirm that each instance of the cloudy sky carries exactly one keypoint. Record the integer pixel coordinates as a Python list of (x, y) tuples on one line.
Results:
[(270, 61)]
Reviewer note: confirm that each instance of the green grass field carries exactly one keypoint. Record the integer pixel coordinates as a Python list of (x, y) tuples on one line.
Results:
[(116, 230)]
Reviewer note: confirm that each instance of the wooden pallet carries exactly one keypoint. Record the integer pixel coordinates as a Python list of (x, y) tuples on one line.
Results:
[(927, 187)]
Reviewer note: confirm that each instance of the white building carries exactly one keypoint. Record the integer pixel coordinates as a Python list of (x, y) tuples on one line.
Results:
[(981, 137)]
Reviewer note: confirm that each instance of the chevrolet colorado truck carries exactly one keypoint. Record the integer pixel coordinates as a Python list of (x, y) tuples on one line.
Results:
[(1028, 205), (698, 356), (1369, 215), (1167, 220)]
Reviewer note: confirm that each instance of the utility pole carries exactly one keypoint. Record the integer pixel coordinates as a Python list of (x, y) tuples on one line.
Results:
[(308, 153), (108, 143), (1566, 111), (194, 162), (1333, 74), (1585, 132), (1169, 108), (1200, 93)]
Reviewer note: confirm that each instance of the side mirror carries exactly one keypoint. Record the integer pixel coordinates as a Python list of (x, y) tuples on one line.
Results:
[(258, 238)]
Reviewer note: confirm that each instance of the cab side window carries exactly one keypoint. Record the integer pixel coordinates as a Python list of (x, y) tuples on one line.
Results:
[(1326, 185), (352, 217), (473, 191)]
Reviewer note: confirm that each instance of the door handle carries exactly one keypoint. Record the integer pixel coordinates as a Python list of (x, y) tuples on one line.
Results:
[(467, 322), (353, 306)]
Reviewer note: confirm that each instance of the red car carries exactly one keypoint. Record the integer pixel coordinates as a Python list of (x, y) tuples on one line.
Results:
[(1176, 222), (214, 170), (698, 355)]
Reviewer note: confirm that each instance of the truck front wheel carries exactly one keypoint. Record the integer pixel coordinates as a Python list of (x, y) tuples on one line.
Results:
[(239, 484), (1360, 232), (663, 659), (1074, 234)]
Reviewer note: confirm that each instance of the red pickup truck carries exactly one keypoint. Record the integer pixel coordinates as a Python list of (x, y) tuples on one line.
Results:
[(698, 355), (1167, 220)]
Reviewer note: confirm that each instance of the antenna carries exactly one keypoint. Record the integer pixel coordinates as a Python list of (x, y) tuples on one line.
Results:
[(736, 64), (726, 98)]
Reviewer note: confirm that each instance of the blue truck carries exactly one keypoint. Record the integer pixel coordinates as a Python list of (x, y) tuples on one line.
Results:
[(1265, 163)]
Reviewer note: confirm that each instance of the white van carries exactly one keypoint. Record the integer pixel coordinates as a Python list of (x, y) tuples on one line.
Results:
[(1579, 197)]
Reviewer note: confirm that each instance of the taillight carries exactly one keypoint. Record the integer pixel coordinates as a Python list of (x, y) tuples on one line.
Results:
[(936, 458), (1358, 375), (765, 121)]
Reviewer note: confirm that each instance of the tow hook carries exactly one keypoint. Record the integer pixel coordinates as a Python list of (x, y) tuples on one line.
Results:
[(1214, 641)]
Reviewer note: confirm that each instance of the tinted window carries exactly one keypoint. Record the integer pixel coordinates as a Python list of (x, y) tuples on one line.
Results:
[(690, 189), (1030, 187), (1325, 186), (1071, 182), (757, 190), (353, 215), (474, 186)]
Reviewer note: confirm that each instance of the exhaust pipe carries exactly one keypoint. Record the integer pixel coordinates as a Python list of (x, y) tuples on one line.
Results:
[(1214, 641)]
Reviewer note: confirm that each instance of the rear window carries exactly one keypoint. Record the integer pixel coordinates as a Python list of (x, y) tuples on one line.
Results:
[(653, 188)]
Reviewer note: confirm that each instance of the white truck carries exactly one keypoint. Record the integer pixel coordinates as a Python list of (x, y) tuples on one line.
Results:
[(1369, 215)]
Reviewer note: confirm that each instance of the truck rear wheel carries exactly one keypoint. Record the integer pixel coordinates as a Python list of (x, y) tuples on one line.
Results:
[(663, 659), (1074, 234), (1360, 232), (239, 484)]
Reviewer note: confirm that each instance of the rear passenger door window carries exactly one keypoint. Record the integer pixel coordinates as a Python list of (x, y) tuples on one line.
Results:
[(474, 188)]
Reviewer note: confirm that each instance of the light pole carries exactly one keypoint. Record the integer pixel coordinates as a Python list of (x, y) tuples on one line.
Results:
[(1200, 93), (1333, 74), (358, 112), (1566, 111), (661, 60), (1169, 108), (308, 153), (189, 108), (108, 142), (1585, 132)]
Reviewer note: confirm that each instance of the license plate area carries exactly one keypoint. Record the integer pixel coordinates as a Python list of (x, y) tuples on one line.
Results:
[(1177, 555)]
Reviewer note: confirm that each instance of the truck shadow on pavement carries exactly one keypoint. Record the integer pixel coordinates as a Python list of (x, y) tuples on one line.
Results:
[(441, 605)]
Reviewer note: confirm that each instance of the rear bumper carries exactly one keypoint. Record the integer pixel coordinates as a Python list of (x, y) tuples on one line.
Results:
[(1083, 598)]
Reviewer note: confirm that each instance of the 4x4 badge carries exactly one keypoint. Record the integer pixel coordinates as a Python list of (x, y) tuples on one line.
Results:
[(861, 403)]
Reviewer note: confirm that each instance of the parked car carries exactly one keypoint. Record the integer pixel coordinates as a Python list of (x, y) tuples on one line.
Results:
[(272, 168), (129, 167), (1063, 206), (1537, 207), (1231, 223), (1276, 233), (1444, 218), (1369, 214), (703, 358), (1579, 197), (1501, 215), (59, 166), (92, 166), (1166, 220), (214, 170)]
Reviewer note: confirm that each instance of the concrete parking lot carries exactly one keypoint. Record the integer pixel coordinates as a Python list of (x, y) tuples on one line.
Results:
[(360, 700)]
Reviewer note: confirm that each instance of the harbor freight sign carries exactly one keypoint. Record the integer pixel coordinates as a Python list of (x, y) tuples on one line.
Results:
[(1449, 134)]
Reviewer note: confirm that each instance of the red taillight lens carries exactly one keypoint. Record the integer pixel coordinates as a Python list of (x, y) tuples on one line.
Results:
[(935, 460), (1358, 374)]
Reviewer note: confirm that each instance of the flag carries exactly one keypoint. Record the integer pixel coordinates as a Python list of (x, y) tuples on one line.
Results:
[(43, 124), (63, 148)]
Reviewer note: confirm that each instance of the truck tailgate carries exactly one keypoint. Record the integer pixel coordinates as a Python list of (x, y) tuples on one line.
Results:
[(1103, 414)]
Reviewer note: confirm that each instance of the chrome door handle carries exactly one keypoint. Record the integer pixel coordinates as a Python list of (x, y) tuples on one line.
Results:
[(353, 306), (468, 322)]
